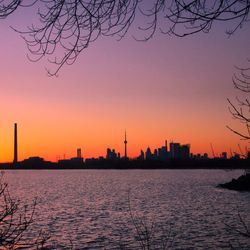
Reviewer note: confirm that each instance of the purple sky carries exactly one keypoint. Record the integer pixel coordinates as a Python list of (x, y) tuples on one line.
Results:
[(167, 88)]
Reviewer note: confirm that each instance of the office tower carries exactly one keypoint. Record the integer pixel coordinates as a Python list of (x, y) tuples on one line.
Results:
[(111, 154), (125, 146), (166, 145), (185, 151), (142, 156), (175, 150), (15, 144), (108, 155), (162, 153), (148, 154), (79, 153)]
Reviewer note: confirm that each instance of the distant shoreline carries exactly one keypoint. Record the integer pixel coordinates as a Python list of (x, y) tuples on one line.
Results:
[(131, 164)]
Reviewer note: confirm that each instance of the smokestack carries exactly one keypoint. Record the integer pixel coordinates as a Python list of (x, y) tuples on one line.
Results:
[(15, 144)]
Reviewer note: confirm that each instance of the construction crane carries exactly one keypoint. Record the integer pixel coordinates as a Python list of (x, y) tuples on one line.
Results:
[(241, 152), (211, 145), (231, 153)]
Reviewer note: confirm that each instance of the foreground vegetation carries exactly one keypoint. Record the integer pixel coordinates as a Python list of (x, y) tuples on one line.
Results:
[(16, 223)]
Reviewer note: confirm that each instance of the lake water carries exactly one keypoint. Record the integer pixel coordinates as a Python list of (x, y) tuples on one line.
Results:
[(94, 209)]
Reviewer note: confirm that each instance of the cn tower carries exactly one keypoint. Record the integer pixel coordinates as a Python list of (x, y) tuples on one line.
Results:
[(125, 146)]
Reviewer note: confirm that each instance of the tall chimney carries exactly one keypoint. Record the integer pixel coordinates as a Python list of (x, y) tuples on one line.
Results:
[(15, 144)]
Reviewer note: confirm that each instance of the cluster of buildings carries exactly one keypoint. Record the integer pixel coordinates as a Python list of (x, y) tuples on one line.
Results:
[(113, 155), (164, 153), (176, 151)]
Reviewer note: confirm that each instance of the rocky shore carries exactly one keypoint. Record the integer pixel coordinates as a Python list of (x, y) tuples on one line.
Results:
[(240, 184)]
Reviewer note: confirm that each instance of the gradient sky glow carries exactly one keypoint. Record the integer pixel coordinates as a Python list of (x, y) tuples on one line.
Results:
[(167, 88)]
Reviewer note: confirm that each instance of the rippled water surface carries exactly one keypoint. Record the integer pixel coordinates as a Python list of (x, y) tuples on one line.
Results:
[(93, 209)]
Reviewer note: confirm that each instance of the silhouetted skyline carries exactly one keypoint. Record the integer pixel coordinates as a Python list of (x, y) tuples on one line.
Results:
[(173, 151)]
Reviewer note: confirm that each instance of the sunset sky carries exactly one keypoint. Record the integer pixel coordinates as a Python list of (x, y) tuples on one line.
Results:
[(167, 88)]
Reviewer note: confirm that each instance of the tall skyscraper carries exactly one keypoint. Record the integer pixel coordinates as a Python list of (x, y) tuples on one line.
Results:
[(79, 153), (175, 150), (125, 146), (15, 144)]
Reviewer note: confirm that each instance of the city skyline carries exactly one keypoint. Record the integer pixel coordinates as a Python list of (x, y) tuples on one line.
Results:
[(164, 88), (173, 150)]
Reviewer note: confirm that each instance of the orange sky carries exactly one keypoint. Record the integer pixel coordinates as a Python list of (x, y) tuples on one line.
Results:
[(167, 88)]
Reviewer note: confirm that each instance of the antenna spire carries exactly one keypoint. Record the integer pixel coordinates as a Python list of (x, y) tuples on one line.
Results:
[(125, 146)]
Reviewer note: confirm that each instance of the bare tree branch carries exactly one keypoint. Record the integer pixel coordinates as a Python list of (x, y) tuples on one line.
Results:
[(15, 221), (67, 27), (241, 110)]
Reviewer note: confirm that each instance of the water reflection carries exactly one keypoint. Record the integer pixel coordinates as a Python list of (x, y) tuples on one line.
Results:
[(90, 208)]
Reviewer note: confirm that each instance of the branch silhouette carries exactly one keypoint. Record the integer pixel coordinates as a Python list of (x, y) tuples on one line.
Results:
[(64, 28), (15, 222), (241, 110)]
